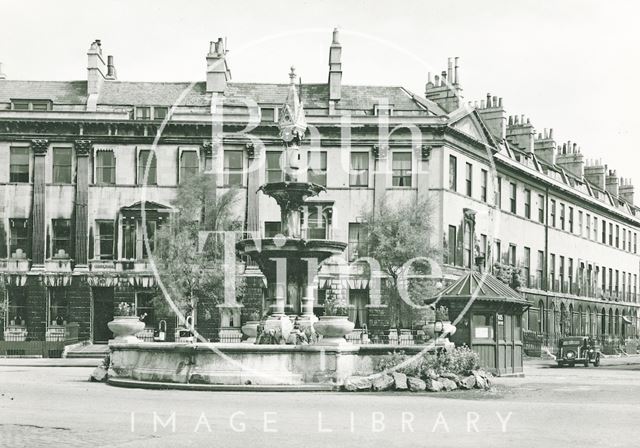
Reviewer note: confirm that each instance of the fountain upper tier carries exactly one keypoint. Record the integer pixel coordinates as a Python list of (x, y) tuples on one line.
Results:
[(291, 197), (265, 251)]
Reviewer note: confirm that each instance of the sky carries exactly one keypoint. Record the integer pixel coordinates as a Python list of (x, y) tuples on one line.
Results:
[(566, 64)]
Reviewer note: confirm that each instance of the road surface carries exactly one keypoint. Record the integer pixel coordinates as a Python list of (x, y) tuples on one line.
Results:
[(550, 407)]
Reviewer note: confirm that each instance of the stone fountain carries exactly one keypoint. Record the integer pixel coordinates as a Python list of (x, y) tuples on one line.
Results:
[(289, 261)]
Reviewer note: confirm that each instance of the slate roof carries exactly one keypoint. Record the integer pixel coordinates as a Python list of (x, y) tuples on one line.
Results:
[(61, 92), (483, 287), (153, 93), (121, 93)]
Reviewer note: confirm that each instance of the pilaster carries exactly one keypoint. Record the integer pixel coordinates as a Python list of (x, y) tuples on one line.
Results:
[(381, 155), (39, 147), (83, 150)]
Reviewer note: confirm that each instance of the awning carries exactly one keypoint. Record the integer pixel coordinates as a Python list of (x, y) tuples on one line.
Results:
[(350, 283)]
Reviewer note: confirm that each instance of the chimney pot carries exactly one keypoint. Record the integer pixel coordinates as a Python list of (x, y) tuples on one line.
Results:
[(111, 68), (456, 74)]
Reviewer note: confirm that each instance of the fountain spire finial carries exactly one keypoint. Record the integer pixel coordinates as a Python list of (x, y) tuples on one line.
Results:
[(292, 122)]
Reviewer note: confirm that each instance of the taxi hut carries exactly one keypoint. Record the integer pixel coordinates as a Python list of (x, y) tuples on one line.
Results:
[(488, 316)]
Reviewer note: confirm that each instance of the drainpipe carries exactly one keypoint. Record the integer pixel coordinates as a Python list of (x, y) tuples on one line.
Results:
[(545, 264)]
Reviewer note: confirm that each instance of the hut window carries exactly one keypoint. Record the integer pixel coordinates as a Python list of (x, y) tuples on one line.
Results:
[(484, 326)]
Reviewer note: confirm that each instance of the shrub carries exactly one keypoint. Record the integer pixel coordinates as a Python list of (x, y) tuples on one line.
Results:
[(461, 361), (125, 309), (335, 305), (442, 313)]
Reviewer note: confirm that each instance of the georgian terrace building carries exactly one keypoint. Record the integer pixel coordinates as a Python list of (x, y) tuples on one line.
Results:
[(72, 159)]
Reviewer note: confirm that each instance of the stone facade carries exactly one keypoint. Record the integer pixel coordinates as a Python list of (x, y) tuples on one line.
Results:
[(72, 184)]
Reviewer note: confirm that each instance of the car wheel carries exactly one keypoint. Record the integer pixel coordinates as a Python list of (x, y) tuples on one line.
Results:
[(572, 364), (596, 363)]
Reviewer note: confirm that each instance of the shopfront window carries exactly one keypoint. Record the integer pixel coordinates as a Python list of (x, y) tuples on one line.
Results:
[(58, 306), (16, 307), (145, 309)]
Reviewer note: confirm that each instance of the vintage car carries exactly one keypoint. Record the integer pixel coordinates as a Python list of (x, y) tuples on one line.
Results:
[(578, 349)]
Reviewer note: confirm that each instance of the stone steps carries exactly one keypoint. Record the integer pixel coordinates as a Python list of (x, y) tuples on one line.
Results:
[(95, 351)]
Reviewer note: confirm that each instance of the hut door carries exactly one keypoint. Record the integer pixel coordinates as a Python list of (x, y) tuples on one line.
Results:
[(509, 343)]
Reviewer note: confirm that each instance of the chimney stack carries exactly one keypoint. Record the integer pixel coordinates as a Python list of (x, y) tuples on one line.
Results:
[(218, 73), (494, 116), (111, 69), (521, 133), (626, 190), (2, 75), (96, 74), (335, 71), (446, 92), (544, 147), (571, 159), (612, 183), (594, 172), (97, 69)]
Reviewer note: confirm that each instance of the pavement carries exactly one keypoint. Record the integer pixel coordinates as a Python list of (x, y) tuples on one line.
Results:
[(550, 407)]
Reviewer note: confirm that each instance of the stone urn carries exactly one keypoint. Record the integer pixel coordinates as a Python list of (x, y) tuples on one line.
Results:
[(333, 329), (250, 330), (125, 328)]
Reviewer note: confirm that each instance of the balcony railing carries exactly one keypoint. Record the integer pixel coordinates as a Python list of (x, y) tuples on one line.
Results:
[(583, 288)]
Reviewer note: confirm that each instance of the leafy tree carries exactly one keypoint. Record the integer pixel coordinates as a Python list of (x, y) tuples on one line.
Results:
[(397, 232), (193, 273), (511, 275)]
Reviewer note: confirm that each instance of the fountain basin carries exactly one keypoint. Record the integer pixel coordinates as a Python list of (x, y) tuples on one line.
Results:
[(166, 363)]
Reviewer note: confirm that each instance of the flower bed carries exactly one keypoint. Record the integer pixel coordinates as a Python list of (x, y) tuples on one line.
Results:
[(446, 371)]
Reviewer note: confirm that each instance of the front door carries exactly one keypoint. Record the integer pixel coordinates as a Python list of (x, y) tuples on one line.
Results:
[(102, 314)]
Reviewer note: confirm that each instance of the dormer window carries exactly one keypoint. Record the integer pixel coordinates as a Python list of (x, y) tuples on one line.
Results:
[(268, 114), (160, 113), (143, 113), (151, 112), (32, 105), (382, 110)]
